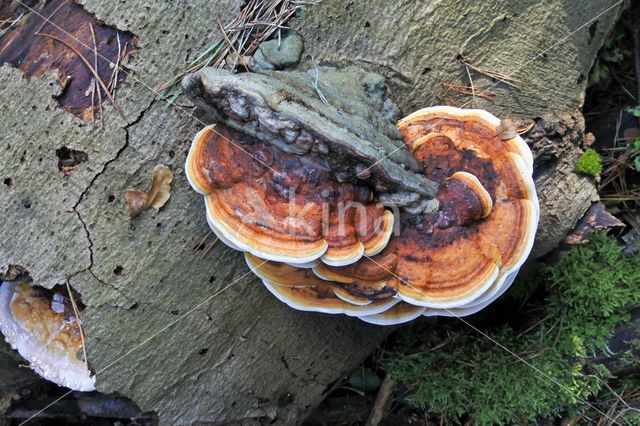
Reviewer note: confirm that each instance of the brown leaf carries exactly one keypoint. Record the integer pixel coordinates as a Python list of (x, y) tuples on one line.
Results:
[(137, 202), (160, 189), (597, 217), (507, 129), (156, 196)]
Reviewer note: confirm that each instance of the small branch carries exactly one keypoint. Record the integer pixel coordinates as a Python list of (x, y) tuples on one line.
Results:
[(93, 101), (470, 90), (473, 90), (208, 248), (506, 79), (15, 21), (95, 64), (114, 75), (79, 322), (315, 83), (201, 243), (48, 19), (526, 129), (381, 403), (93, 71), (230, 44)]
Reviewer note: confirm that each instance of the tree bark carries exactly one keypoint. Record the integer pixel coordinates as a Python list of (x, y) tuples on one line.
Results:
[(200, 340)]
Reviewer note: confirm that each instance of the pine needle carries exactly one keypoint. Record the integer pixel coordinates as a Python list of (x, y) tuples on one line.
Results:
[(11, 24), (79, 322), (208, 248), (93, 71), (506, 79), (256, 22), (95, 64), (201, 243)]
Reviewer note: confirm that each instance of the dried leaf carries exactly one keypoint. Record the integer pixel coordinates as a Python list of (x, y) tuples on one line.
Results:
[(597, 217), (156, 196), (160, 189), (507, 129), (137, 202)]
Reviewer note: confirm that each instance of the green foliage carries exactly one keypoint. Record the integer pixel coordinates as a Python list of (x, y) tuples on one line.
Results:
[(590, 163), (594, 298), (589, 292)]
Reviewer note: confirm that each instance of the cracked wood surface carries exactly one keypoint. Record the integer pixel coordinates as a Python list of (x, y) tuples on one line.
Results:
[(231, 358)]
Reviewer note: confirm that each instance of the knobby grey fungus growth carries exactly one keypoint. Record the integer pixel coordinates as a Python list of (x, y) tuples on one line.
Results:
[(279, 166)]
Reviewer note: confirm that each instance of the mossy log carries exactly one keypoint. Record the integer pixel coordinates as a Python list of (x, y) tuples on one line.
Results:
[(200, 340)]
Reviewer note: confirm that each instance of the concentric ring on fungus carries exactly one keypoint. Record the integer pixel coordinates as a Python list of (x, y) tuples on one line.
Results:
[(285, 207), (281, 206), (449, 265)]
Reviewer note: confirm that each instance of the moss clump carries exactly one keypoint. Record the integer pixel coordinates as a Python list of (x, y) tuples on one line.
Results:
[(589, 292), (590, 163)]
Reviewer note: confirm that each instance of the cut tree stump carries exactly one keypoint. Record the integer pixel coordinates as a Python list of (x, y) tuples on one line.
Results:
[(201, 340)]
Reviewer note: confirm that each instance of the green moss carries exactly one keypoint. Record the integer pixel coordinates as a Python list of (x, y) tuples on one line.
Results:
[(590, 163), (589, 292)]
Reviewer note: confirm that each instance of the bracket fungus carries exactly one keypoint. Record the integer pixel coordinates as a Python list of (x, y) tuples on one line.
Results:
[(282, 206), (45, 331), (280, 167)]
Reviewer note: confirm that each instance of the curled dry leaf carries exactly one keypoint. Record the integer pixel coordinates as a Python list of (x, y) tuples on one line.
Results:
[(156, 196), (597, 217), (507, 129)]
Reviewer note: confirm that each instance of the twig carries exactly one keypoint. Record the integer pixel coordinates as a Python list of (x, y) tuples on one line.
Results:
[(93, 71), (224, 34), (95, 64), (257, 21), (114, 75), (79, 322), (445, 342), (15, 21), (381, 403), (49, 17), (93, 101), (473, 90), (511, 81), (575, 420), (533, 326), (208, 248), (526, 129), (315, 82), (453, 101), (441, 99), (196, 248), (618, 398), (349, 388), (467, 90)]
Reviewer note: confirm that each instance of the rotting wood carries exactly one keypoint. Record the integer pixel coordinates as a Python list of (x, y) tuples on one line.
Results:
[(72, 24)]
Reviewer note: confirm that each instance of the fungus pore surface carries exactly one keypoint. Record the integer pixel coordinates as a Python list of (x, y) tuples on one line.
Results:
[(44, 330)]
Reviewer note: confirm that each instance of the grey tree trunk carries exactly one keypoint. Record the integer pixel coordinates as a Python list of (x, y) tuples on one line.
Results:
[(200, 340)]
